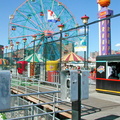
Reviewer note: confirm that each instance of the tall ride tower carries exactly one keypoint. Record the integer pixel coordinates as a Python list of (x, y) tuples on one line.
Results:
[(105, 32)]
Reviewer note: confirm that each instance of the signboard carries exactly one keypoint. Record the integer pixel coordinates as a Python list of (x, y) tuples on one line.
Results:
[(81, 44), (105, 31)]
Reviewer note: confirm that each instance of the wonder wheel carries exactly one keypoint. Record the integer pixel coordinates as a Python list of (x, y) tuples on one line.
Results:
[(41, 18)]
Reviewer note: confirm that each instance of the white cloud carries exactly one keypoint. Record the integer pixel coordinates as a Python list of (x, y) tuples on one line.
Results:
[(117, 45)]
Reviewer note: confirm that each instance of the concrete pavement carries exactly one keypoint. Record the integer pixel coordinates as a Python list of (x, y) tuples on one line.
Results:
[(103, 106)]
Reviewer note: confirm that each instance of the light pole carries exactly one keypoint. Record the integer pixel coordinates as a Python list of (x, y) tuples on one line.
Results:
[(11, 46), (61, 26), (6, 47), (24, 40), (17, 43), (34, 38), (2, 56), (85, 21)]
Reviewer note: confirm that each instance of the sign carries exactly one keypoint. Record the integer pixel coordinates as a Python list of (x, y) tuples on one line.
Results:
[(105, 31), (101, 69), (52, 16), (81, 44), (104, 12)]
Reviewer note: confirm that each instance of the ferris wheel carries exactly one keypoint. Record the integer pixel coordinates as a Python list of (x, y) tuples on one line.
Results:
[(41, 18)]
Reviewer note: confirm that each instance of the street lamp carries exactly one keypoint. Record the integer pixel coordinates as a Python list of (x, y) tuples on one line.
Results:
[(6, 47), (24, 40), (34, 38), (2, 51), (61, 26), (11, 46), (85, 21), (17, 43), (2, 56)]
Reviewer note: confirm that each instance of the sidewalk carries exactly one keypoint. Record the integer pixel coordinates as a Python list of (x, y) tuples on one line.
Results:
[(109, 105)]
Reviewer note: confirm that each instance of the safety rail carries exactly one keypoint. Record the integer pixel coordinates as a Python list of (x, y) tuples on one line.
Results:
[(26, 87), (34, 85), (28, 111)]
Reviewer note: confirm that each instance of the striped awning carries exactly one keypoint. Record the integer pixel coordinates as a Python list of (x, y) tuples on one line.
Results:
[(3, 61), (72, 57), (34, 57)]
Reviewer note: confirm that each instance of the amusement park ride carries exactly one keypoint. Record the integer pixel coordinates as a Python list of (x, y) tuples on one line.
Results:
[(37, 23), (105, 31), (41, 19)]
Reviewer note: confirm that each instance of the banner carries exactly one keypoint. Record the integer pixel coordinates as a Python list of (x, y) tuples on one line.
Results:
[(81, 44), (52, 16)]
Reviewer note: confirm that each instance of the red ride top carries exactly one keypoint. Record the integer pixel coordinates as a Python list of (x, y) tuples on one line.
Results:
[(103, 3)]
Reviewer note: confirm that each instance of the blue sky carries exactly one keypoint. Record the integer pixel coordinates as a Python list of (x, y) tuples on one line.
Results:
[(78, 8)]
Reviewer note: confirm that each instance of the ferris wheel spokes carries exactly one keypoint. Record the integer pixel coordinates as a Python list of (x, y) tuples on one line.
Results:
[(30, 20), (40, 21)]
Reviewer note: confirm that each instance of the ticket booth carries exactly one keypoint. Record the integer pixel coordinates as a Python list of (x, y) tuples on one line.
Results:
[(108, 74)]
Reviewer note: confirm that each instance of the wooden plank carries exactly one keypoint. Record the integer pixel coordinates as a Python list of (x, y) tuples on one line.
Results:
[(35, 99)]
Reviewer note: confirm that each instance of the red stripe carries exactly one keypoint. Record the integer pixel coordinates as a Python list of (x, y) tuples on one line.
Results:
[(82, 59), (67, 58), (72, 57), (75, 58), (108, 79)]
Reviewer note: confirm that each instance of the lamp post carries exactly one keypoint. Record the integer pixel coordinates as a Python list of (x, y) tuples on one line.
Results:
[(85, 21), (17, 43), (24, 40), (11, 46), (2, 56), (2, 52), (34, 38), (6, 47), (61, 26)]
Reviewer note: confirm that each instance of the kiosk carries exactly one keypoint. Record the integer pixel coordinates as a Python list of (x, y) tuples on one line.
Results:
[(108, 74)]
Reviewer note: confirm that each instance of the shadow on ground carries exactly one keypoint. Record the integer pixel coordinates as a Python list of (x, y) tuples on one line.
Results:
[(86, 109), (109, 117)]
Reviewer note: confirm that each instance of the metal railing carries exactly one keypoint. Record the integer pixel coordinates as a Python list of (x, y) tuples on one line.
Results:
[(23, 109), (25, 89)]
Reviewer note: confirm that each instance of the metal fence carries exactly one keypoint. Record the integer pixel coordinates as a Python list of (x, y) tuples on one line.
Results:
[(25, 99), (26, 110)]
